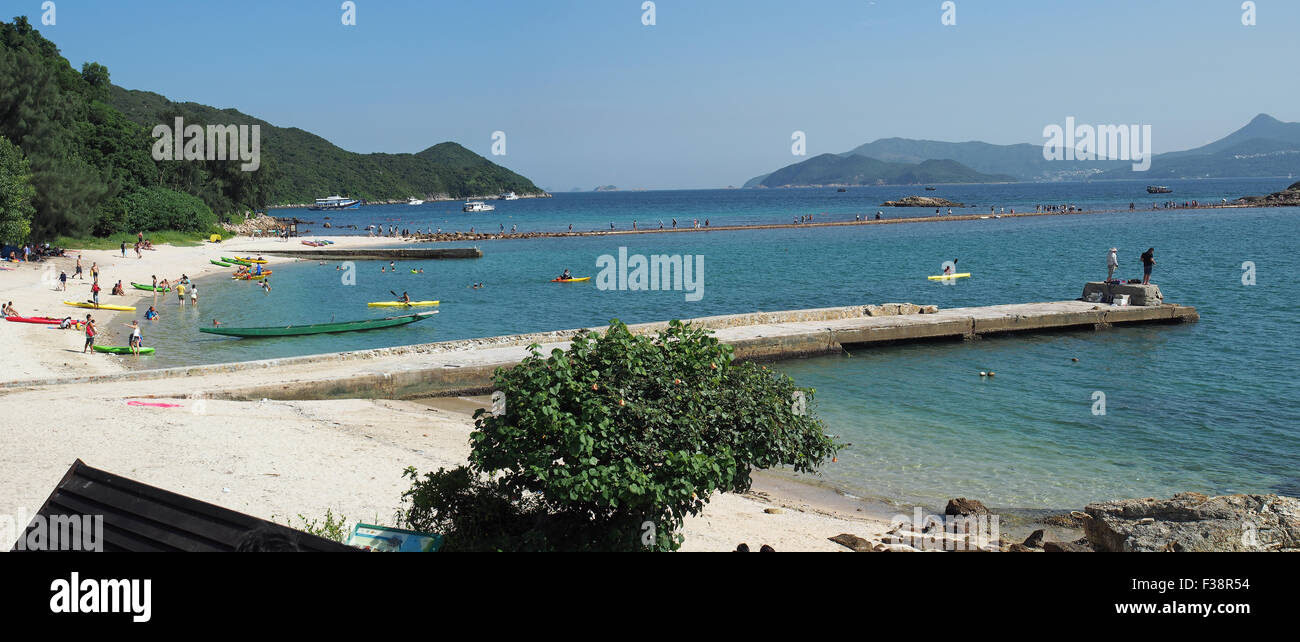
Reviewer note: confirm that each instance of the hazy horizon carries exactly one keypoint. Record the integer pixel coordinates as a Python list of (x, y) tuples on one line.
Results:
[(709, 95)]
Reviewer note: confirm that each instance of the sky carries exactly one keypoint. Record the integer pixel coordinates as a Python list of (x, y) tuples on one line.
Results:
[(712, 92)]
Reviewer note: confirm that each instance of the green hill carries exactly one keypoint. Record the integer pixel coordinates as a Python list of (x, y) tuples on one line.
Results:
[(832, 169), (308, 167)]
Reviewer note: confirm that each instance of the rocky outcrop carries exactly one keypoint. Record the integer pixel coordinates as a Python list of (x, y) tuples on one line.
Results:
[(921, 201), (260, 223), (963, 506), (1289, 197), (1196, 522)]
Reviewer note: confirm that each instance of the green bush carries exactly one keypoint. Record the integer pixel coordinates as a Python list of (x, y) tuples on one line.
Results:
[(155, 208), (611, 444)]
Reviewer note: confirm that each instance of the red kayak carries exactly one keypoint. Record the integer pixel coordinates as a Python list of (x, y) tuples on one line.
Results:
[(45, 320)]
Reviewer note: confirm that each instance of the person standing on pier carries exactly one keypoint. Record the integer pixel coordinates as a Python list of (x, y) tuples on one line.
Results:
[(1148, 262), (1112, 264)]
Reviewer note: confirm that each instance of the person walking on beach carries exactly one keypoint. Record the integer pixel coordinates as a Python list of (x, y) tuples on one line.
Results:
[(123, 249), (1112, 263), (90, 334), (63, 281), (194, 295), (1148, 262), (94, 271), (94, 293), (180, 293), (77, 273)]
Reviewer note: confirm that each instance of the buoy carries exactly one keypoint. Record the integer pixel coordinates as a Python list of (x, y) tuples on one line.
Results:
[(983, 374), (991, 373), (1075, 359)]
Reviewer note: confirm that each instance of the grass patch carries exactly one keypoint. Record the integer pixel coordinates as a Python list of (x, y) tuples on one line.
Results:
[(114, 242)]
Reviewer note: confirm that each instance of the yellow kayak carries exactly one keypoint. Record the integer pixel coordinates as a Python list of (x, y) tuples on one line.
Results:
[(102, 306), (959, 275), (244, 258), (251, 277), (399, 304)]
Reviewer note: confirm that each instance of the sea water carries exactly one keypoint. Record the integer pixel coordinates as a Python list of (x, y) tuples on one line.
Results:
[(1211, 406)]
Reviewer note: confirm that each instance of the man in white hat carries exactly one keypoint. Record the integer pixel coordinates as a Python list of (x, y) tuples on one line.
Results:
[(1112, 263)]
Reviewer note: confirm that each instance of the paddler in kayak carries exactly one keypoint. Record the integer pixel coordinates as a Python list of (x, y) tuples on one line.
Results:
[(566, 276), (950, 269), (406, 298)]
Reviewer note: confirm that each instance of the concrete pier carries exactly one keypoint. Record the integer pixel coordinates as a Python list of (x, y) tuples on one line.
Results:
[(466, 366), (383, 254)]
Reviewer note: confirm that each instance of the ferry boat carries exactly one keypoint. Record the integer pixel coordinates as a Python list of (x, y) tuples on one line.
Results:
[(335, 203), (509, 196), (414, 201), (477, 206), (1158, 189)]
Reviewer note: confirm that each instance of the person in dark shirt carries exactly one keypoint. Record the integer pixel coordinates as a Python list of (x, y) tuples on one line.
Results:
[(1148, 262)]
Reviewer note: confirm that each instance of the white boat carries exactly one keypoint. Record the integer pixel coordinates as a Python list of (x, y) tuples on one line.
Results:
[(335, 203), (415, 201), (509, 196), (477, 206)]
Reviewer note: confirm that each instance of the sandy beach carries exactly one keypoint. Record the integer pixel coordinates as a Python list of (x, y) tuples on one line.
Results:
[(271, 459)]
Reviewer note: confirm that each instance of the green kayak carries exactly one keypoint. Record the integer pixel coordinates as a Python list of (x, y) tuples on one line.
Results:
[(121, 349), (141, 286), (221, 263), (235, 261), (319, 328)]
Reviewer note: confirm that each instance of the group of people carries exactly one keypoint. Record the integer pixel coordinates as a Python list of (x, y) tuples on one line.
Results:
[(1148, 259)]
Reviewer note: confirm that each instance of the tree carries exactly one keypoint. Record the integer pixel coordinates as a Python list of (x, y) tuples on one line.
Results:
[(611, 444), (16, 194)]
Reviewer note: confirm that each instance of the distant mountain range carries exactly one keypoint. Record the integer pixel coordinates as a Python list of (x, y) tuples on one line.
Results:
[(306, 167), (1264, 147)]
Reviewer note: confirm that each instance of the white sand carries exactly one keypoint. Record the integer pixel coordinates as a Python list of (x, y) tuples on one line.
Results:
[(272, 459)]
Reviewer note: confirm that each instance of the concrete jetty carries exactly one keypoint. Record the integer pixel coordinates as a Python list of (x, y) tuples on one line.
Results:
[(466, 366), (384, 254)]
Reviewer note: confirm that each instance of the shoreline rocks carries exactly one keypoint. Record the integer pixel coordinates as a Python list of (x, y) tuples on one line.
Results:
[(1289, 197), (922, 201), (1196, 522)]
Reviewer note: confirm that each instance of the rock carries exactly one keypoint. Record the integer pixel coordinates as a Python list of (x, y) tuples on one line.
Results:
[(773, 511), (1035, 539), (742, 548), (1140, 295), (1072, 519), (922, 201), (894, 309), (852, 542), (963, 506), (767, 549), (1065, 547), (1196, 522), (1021, 548)]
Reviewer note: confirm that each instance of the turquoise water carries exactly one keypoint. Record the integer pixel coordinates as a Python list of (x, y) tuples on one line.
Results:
[(1211, 406)]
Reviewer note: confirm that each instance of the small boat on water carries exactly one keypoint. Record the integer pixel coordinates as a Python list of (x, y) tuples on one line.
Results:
[(414, 201), (335, 203), (1158, 189), (931, 189), (319, 328), (509, 196), (477, 206), (151, 288), (573, 280)]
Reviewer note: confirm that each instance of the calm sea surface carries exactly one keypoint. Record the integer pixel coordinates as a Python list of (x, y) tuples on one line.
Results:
[(1211, 407)]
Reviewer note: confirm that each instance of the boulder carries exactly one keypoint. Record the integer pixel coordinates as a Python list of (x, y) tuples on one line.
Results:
[(852, 542), (1035, 539), (963, 506), (1196, 522), (1143, 295)]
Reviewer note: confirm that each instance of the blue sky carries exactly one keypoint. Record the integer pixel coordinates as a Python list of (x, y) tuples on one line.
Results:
[(709, 95)]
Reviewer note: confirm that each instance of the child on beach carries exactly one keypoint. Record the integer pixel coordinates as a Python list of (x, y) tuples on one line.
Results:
[(90, 334)]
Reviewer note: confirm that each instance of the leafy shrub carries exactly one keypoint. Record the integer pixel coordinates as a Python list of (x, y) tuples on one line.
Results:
[(155, 208), (611, 444)]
